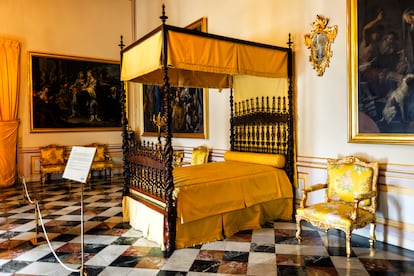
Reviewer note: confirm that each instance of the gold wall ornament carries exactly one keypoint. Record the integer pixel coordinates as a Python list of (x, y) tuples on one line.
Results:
[(319, 42)]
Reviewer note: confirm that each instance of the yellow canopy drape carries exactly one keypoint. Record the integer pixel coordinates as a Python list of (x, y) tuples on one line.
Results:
[(9, 76), (200, 60)]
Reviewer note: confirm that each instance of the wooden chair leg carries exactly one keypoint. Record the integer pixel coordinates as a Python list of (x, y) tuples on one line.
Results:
[(43, 177), (298, 230), (327, 237), (372, 234), (348, 243)]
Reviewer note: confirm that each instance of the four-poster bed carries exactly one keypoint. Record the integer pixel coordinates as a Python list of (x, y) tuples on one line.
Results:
[(197, 204)]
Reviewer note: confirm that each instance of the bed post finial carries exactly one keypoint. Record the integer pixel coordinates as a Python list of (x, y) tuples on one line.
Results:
[(121, 43), (163, 17), (289, 43)]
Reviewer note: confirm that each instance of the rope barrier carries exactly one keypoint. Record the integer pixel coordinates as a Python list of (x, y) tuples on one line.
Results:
[(37, 209)]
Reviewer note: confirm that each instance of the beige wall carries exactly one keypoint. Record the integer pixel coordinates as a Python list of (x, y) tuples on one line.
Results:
[(83, 28), (91, 28), (322, 102)]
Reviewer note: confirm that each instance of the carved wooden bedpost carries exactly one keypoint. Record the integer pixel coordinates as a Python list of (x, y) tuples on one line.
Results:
[(290, 164), (124, 124), (231, 120), (291, 145), (170, 221)]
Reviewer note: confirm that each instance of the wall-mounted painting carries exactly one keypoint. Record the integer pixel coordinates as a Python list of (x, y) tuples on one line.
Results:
[(189, 105), (74, 94), (189, 111), (199, 25), (381, 60)]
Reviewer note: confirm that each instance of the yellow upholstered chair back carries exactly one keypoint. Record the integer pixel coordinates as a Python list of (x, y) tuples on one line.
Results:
[(52, 160), (100, 153), (348, 177), (351, 193), (200, 155), (101, 161), (52, 155)]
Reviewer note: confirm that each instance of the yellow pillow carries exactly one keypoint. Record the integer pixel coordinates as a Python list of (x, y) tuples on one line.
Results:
[(268, 159)]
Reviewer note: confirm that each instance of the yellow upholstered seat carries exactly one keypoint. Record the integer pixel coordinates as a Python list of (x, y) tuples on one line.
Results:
[(351, 192), (101, 161), (52, 161)]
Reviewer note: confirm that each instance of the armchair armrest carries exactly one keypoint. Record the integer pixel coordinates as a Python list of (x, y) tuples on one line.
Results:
[(316, 187), (312, 188), (357, 199), (368, 195)]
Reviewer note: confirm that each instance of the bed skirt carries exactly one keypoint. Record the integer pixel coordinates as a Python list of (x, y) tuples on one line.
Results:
[(208, 229)]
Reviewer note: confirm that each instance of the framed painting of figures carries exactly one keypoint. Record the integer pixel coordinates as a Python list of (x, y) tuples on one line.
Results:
[(74, 94), (189, 111), (381, 66)]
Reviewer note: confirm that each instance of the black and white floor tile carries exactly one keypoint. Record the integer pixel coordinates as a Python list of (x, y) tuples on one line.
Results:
[(112, 247)]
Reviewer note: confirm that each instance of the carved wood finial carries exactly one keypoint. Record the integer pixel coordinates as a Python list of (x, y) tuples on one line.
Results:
[(121, 43), (163, 17), (289, 43)]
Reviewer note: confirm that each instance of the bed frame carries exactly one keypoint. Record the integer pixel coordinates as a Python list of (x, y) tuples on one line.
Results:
[(260, 124)]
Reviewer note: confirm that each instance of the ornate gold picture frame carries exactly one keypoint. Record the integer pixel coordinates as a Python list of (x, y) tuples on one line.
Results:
[(70, 93), (199, 25), (381, 79), (319, 42)]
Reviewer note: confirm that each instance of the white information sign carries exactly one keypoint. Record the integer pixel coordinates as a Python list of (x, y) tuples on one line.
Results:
[(79, 163)]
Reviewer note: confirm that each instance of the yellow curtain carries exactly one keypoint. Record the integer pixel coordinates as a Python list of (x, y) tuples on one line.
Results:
[(9, 76)]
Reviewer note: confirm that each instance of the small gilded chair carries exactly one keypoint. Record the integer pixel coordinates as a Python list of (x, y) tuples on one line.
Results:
[(178, 156), (199, 156), (101, 161), (52, 161), (351, 199)]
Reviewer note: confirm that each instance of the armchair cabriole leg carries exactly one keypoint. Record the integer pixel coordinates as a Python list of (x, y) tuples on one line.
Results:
[(298, 230), (348, 243), (372, 235)]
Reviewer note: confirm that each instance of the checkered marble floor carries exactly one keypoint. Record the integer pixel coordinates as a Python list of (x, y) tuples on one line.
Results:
[(111, 247)]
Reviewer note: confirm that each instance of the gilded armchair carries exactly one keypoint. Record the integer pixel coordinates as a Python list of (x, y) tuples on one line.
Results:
[(101, 161), (52, 161), (351, 193), (199, 156)]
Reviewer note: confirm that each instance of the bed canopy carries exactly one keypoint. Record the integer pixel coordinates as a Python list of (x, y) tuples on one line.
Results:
[(196, 59), (171, 56)]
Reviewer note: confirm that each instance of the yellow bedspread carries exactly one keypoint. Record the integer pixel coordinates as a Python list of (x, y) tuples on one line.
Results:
[(219, 187)]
